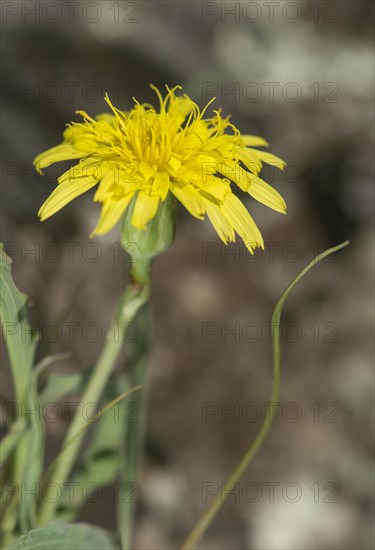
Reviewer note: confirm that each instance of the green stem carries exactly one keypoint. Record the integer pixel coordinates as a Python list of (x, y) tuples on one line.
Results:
[(149, 244), (218, 502), (134, 435), (132, 300)]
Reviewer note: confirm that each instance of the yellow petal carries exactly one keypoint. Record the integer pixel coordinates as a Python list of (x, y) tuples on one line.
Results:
[(108, 117), (233, 171), (254, 141), (143, 168), (161, 184), (190, 198), (267, 195), (87, 168), (220, 223), (271, 159), (63, 194), (106, 185), (204, 165), (240, 219), (145, 209), (175, 162), (85, 116), (250, 158), (215, 189), (110, 215), (61, 152)]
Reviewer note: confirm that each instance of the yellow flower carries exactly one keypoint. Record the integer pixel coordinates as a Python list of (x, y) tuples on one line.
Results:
[(147, 153)]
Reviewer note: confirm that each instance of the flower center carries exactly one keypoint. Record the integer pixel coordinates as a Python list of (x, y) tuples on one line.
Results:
[(150, 136)]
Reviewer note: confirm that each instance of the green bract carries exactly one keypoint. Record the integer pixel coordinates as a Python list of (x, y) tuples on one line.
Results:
[(144, 245)]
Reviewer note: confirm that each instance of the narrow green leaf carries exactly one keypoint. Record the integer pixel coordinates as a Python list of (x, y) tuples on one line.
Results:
[(28, 452), (60, 385), (101, 461), (20, 339), (217, 503), (10, 440)]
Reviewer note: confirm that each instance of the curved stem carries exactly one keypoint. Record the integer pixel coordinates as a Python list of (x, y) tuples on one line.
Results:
[(218, 502)]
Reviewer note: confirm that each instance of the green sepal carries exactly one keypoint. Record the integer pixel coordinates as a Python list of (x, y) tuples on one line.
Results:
[(145, 244)]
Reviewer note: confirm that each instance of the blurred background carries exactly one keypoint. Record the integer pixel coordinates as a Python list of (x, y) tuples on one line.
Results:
[(301, 75)]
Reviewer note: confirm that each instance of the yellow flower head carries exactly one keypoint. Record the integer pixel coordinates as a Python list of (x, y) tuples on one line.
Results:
[(147, 153)]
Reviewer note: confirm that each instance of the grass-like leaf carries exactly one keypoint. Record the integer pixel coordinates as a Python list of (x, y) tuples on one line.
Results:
[(27, 452), (218, 502)]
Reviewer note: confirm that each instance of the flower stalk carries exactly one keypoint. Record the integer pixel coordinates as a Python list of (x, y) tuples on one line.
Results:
[(132, 450), (158, 238), (149, 244), (134, 297)]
